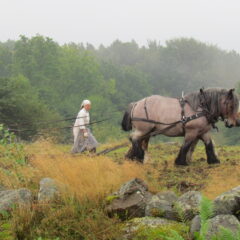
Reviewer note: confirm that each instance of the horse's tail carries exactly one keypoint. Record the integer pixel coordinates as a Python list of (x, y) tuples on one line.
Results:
[(127, 121)]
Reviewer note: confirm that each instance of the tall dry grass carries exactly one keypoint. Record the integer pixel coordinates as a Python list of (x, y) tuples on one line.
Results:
[(90, 177)]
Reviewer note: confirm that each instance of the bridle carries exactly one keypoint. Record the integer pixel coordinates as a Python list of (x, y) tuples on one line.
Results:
[(207, 110)]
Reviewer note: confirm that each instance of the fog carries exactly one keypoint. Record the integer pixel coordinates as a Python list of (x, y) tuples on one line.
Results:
[(101, 22)]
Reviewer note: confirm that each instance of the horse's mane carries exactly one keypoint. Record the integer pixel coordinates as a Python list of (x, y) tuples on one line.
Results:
[(212, 97)]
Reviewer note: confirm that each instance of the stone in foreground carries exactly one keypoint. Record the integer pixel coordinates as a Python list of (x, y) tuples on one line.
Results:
[(228, 202), (157, 207), (48, 190), (215, 224), (187, 206), (11, 198), (130, 201)]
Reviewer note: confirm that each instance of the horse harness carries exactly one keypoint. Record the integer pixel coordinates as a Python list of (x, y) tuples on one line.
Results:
[(183, 120)]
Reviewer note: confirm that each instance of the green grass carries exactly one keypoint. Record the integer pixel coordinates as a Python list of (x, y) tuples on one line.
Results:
[(5, 230)]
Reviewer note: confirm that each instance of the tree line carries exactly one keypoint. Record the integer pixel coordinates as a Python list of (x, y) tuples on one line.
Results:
[(41, 80)]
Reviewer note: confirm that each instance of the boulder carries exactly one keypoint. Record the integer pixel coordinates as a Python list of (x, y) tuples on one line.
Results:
[(151, 222), (11, 198), (168, 196), (132, 186), (157, 207), (130, 201), (187, 206), (136, 225), (227, 221), (195, 225), (228, 202), (48, 190)]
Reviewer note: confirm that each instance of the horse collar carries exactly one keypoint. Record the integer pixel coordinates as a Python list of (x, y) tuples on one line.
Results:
[(185, 119)]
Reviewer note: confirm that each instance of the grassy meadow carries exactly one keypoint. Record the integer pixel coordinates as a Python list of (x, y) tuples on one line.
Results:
[(86, 181)]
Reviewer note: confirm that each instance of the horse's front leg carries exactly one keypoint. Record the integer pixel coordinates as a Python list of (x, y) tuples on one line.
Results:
[(182, 155), (211, 154)]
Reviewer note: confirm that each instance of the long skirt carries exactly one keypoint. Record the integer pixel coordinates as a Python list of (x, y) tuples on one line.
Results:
[(82, 143)]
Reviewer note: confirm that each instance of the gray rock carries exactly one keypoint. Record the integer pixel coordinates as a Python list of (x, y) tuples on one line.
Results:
[(2, 188), (160, 208), (131, 200), (135, 224), (152, 222), (187, 206), (228, 202), (11, 198), (169, 196), (195, 225), (130, 206), (48, 190), (227, 221), (132, 186)]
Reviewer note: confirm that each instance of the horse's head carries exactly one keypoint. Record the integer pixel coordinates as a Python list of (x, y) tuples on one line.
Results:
[(229, 109)]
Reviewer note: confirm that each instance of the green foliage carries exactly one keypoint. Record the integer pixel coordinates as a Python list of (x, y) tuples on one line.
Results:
[(227, 234), (11, 150), (174, 236), (20, 107), (41, 80), (206, 212), (110, 198), (5, 230), (172, 231)]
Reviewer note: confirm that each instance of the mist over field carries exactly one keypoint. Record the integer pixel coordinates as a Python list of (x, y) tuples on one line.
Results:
[(54, 54), (114, 53), (48, 81)]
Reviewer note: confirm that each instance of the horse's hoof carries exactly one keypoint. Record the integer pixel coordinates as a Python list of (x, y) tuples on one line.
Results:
[(181, 163), (214, 162)]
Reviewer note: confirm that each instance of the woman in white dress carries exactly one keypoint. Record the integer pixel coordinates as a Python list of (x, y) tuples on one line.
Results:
[(83, 138)]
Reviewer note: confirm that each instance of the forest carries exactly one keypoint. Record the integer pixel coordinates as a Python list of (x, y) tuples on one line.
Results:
[(42, 82)]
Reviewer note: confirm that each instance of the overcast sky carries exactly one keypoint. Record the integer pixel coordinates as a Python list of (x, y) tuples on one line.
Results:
[(103, 21)]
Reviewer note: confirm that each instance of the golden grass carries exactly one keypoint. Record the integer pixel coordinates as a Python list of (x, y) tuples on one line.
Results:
[(86, 176), (222, 179), (93, 177)]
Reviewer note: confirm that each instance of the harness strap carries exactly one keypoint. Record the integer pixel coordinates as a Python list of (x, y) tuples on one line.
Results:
[(152, 121), (182, 102), (186, 119), (183, 120), (145, 107)]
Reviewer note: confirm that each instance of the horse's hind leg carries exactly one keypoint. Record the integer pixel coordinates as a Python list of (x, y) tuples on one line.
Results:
[(130, 151), (182, 155), (136, 152), (211, 155), (145, 148), (191, 150)]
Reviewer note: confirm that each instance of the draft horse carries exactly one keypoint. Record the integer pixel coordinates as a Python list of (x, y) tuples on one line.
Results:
[(191, 117)]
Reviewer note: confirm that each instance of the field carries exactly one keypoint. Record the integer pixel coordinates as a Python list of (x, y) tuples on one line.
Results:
[(87, 180)]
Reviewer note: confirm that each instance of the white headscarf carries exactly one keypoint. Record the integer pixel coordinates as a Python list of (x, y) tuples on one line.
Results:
[(85, 102)]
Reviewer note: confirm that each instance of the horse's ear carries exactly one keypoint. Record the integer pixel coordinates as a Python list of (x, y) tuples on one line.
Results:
[(230, 93)]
